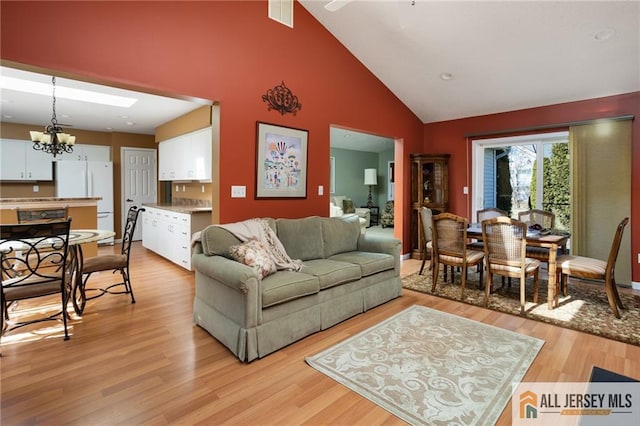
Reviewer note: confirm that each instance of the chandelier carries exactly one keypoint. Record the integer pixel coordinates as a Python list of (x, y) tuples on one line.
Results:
[(53, 140)]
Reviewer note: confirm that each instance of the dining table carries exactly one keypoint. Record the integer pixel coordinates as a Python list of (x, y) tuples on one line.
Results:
[(78, 237), (554, 241)]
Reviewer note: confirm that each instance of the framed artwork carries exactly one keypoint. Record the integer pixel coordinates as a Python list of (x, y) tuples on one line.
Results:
[(281, 163)]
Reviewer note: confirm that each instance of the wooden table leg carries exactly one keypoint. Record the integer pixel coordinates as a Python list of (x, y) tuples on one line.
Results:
[(552, 294)]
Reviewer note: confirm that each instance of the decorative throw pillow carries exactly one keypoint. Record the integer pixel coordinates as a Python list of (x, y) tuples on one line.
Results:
[(348, 207), (253, 253)]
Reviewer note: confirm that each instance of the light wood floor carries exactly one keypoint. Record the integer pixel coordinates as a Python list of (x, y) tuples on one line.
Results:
[(146, 363)]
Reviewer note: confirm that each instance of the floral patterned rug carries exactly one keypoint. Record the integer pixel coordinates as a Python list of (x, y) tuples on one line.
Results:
[(585, 308), (431, 367)]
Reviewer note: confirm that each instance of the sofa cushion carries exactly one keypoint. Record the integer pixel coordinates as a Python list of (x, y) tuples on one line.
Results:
[(331, 273), (287, 285), (370, 263), (348, 207), (216, 241), (253, 253), (301, 238), (340, 234)]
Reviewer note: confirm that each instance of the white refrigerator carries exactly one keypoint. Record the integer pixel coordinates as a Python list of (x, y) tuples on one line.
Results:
[(88, 179)]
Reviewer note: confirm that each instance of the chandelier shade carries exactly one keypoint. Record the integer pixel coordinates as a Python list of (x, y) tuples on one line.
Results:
[(53, 139)]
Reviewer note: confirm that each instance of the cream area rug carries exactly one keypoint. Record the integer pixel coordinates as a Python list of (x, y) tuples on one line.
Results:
[(433, 368)]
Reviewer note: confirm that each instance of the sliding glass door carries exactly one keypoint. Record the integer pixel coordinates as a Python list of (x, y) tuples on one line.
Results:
[(521, 173)]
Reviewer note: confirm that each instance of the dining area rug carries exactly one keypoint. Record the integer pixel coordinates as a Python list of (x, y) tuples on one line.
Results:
[(430, 367), (585, 308)]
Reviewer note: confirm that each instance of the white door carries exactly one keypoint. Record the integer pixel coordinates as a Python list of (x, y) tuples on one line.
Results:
[(139, 181)]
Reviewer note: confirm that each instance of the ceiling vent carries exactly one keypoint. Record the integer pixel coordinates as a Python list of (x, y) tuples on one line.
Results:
[(281, 11)]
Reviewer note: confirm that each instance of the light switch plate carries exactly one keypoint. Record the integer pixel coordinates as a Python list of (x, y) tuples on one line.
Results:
[(465, 189), (238, 191), (320, 189)]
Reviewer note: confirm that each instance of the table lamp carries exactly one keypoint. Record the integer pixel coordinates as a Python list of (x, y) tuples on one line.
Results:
[(370, 178)]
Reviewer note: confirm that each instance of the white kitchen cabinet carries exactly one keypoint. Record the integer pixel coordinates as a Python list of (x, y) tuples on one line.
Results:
[(84, 152), (168, 233), (170, 159), (19, 161), (186, 157)]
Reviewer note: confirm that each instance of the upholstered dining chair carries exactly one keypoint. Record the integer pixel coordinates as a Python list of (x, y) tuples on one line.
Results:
[(482, 215), (489, 213), (545, 219), (450, 248), (35, 263), (426, 236), (110, 262), (505, 251), (590, 268), (42, 214)]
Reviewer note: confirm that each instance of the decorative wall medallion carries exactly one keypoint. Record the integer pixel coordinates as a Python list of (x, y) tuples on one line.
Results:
[(282, 99)]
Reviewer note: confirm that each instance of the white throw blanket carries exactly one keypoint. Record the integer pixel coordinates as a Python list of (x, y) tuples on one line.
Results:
[(259, 229)]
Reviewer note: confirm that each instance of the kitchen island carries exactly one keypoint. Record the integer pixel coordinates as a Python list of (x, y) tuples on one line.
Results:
[(83, 211), (167, 229)]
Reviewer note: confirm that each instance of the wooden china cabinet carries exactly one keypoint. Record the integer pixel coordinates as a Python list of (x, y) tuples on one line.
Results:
[(429, 188)]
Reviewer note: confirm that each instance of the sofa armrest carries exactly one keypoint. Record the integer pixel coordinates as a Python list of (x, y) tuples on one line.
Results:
[(230, 273), (381, 244)]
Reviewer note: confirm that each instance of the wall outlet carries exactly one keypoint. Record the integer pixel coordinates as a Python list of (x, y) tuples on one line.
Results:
[(638, 257), (177, 188), (184, 188), (203, 189), (465, 189), (320, 189), (238, 191), (36, 188)]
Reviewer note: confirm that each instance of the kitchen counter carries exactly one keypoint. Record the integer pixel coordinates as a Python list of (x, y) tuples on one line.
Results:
[(82, 211), (11, 203), (179, 208)]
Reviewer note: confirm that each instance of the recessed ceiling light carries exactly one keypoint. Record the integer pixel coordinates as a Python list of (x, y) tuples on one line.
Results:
[(7, 116), (446, 76), (63, 92), (604, 34), (131, 123)]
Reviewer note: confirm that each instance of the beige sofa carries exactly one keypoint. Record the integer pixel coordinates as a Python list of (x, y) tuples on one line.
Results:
[(344, 273)]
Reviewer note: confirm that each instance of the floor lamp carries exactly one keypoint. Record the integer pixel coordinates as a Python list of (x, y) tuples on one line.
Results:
[(370, 178)]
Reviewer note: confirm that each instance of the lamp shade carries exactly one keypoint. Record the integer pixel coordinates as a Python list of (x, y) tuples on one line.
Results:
[(370, 177)]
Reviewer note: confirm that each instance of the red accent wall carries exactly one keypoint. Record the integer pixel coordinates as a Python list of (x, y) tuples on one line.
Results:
[(229, 52), (449, 136)]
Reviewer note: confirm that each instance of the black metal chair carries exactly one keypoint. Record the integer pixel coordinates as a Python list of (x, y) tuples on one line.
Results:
[(109, 262), (36, 262)]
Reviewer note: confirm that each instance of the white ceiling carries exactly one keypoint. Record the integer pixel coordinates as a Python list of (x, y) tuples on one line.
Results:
[(502, 55), (143, 117)]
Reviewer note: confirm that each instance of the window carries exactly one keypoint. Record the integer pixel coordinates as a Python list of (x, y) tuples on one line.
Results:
[(521, 173)]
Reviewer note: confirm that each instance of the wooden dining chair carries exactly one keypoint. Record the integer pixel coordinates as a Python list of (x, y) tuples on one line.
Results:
[(110, 262), (595, 269), (426, 235), (545, 219), (482, 215), (450, 248), (505, 251), (42, 214), (35, 263), (489, 213)]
